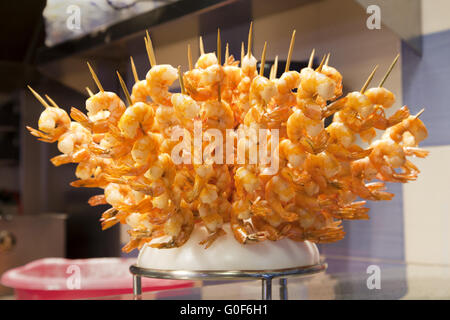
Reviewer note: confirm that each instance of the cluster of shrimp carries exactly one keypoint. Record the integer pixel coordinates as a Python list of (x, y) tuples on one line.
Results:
[(325, 174)]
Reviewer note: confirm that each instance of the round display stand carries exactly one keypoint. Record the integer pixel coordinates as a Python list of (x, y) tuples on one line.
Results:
[(266, 276), (227, 259)]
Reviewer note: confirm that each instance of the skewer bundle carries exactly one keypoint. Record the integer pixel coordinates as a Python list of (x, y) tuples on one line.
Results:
[(132, 149)]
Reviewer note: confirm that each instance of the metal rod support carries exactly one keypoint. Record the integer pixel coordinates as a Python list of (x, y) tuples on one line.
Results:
[(266, 289), (265, 275), (283, 289), (137, 287)]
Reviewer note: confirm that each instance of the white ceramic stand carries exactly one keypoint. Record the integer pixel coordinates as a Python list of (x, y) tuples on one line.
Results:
[(228, 259), (228, 254)]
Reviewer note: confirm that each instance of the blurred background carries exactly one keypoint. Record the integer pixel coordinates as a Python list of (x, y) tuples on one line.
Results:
[(45, 44)]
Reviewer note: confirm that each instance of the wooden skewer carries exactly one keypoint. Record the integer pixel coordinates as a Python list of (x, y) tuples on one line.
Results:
[(311, 58), (124, 88), (190, 58), (227, 54), (275, 67), (389, 71), (180, 78), (94, 76), (271, 77), (242, 52), (53, 103), (90, 93), (39, 98), (152, 51), (291, 48), (263, 60), (133, 68), (219, 48), (202, 47), (327, 59), (148, 51), (419, 113), (319, 68), (249, 43), (363, 89)]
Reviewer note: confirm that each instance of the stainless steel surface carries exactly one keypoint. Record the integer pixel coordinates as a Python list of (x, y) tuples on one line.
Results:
[(36, 237), (265, 275)]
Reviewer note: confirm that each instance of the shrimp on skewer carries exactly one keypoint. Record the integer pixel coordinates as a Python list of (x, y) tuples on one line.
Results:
[(285, 84), (382, 99), (103, 107), (310, 133), (140, 92), (244, 232), (137, 117), (409, 132), (74, 144), (313, 91), (342, 143), (186, 109), (179, 227), (312, 184), (159, 79), (388, 156), (261, 92), (53, 122)]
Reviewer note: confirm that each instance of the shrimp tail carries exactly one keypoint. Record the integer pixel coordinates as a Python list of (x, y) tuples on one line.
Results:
[(81, 118), (109, 218), (61, 159), (212, 237), (400, 115), (42, 136), (353, 211), (344, 154), (334, 107), (418, 152), (131, 245), (329, 234), (194, 193), (89, 183), (97, 200)]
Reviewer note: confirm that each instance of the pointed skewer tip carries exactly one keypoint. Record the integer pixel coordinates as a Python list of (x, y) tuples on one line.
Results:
[(319, 68), (369, 79), (94, 76), (388, 72), (419, 113), (124, 88), (39, 98), (311, 58), (263, 60), (249, 43), (291, 48)]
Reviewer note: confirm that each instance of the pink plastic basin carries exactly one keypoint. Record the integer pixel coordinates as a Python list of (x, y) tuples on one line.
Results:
[(58, 278)]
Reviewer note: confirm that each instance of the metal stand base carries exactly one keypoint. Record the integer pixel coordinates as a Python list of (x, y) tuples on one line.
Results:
[(265, 275)]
